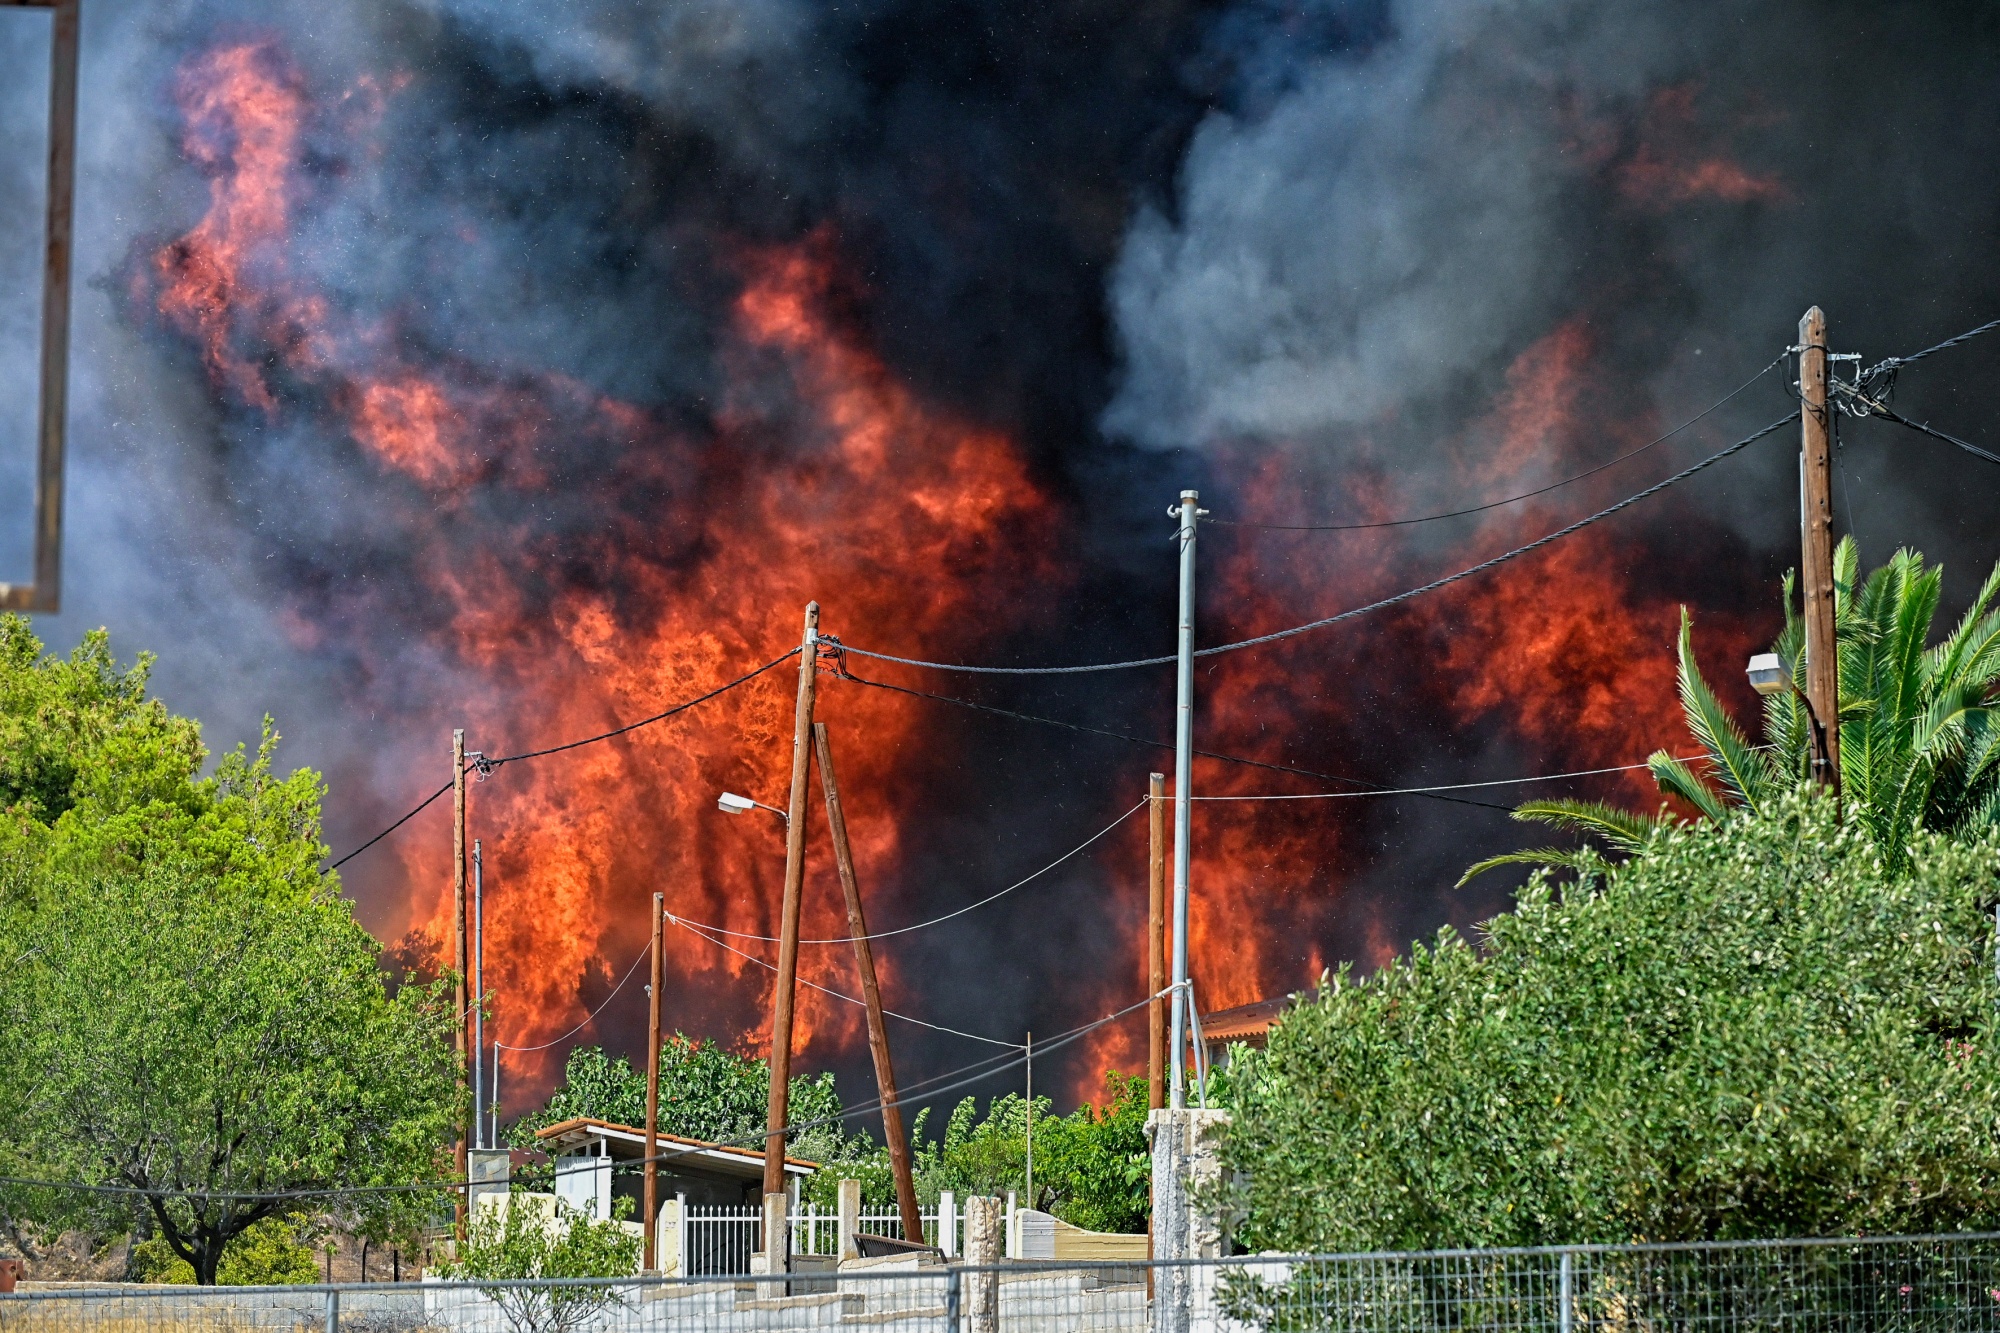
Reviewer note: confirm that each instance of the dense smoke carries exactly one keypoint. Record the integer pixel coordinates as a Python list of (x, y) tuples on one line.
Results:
[(470, 362)]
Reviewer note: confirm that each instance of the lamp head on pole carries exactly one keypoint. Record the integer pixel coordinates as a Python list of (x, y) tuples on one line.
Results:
[(1768, 674), (732, 804)]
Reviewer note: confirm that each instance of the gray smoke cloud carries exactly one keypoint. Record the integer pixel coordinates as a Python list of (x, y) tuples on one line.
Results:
[(1396, 220)]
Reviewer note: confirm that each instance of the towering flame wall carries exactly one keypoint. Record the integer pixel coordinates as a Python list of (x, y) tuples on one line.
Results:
[(466, 362)]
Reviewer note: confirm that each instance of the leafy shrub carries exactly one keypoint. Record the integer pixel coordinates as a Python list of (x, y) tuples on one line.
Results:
[(1752, 1029)]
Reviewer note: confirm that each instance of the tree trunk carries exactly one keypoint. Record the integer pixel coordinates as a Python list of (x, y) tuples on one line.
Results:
[(207, 1258)]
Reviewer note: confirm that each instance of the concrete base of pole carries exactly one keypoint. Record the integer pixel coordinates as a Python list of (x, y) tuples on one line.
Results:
[(985, 1221), (1187, 1163), (777, 1252)]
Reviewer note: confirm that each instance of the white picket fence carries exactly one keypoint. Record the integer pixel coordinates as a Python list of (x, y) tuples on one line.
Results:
[(720, 1239)]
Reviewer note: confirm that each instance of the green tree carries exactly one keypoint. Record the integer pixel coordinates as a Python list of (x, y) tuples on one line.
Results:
[(1920, 739), (537, 1236), (1755, 1027), (269, 1253), (706, 1093), (190, 1007), (191, 1045)]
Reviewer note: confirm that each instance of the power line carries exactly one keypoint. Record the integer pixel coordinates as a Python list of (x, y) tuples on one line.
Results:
[(937, 920), (414, 811), (697, 931), (743, 679), (487, 765), (1878, 409), (1512, 499), (1379, 605), (1372, 787), (1893, 362), (591, 1017), (1454, 786)]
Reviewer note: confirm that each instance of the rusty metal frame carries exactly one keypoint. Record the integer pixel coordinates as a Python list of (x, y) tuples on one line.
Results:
[(45, 593)]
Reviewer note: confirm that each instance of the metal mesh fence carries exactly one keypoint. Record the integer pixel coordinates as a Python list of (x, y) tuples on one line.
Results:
[(1933, 1284)]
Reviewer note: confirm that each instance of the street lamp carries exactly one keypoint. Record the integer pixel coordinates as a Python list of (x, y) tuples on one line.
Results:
[(732, 804), (1767, 674)]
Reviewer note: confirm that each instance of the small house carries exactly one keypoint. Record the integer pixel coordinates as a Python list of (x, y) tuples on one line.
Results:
[(1249, 1024), (587, 1153)]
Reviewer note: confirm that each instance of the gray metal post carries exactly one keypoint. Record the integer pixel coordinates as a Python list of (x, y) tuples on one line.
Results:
[(333, 1312), (1566, 1297), (478, 996), (951, 1300), (1183, 773)]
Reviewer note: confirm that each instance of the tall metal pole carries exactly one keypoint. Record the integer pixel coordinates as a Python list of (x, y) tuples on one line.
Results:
[(1183, 772), (901, 1169), (458, 941), (1156, 941), (478, 997), (788, 927), (1816, 536), (651, 1221), (1028, 1190)]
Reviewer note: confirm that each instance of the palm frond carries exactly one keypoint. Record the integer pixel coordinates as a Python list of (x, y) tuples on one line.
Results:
[(1846, 569), (1973, 642), (1743, 770), (1677, 779), (1582, 860), (1908, 631), (1626, 830)]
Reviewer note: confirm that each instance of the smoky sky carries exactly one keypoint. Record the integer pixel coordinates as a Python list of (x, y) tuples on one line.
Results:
[(1158, 244)]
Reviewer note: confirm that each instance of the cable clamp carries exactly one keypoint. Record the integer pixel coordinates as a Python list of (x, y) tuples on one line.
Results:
[(828, 648), (481, 765)]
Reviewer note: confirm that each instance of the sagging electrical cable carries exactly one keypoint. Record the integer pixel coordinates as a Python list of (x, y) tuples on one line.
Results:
[(1369, 788), (937, 920), (1512, 499), (486, 765), (1381, 604), (699, 933)]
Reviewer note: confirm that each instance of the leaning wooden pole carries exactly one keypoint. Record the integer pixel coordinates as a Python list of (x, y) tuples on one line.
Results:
[(651, 1221), (788, 925), (460, 992), (871, 995)]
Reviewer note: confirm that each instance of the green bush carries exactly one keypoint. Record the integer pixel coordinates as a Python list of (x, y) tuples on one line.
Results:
[(1752, 1029), (538, 1236)]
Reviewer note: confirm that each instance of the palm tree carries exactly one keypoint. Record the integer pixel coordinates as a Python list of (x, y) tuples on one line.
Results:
[(1919, 727)]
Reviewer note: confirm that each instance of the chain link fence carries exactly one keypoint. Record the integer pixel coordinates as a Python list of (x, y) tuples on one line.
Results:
[(1919, 1284)]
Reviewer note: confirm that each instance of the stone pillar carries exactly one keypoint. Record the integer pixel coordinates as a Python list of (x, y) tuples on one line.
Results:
[(777, 1236), (667, 1247), (984, 1222), (488, 1174), (848, 1218), (1187, 1161)]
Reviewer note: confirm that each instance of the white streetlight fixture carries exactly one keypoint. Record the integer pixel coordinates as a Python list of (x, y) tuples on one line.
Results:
[(732, 804), (1768, 675)]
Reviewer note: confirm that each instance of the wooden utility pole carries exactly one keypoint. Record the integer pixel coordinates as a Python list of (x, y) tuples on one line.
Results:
[(788, 927), (653, 1085), (1156, 942), (1816, 533), (459, 991), (871, 995)]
